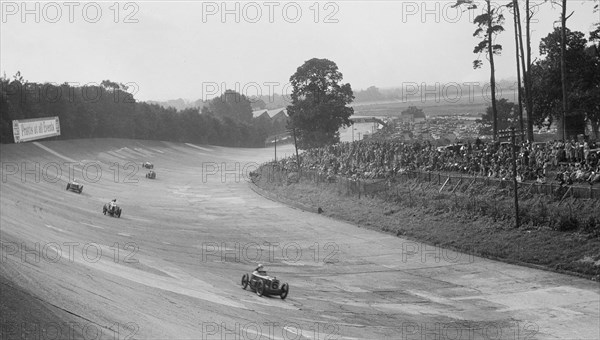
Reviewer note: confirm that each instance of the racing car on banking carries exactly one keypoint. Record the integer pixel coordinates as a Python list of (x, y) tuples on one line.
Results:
[(264, 284), (151, 174), (75, 187), (148, 165), (112, 210)]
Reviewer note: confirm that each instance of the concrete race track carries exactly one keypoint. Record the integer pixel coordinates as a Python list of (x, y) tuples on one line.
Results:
[(170, 267)]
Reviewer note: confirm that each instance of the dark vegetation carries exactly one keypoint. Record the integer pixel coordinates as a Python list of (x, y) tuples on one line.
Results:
[(109, 110)]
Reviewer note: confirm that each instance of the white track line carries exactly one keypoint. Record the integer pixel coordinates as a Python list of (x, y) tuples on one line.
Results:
[(91, 225), (114, 154), (198, 147), (159, 151), (55, 228), (54, 152)]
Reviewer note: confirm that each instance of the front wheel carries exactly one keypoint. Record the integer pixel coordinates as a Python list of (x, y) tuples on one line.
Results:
[(244, 281), (284, 291), (68, 186), (260, 288)]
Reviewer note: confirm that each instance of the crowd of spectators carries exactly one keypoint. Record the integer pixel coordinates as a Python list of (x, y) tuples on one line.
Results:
[(567, 162)]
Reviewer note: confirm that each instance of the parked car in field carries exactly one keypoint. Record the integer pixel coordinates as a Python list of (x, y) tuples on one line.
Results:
[(74, 186)]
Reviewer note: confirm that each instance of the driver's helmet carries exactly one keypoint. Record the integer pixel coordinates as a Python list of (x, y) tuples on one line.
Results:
[(260, 267), (114, 200)]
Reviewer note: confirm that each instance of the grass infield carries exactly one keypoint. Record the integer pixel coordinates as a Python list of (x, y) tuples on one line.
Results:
[(438, 220)]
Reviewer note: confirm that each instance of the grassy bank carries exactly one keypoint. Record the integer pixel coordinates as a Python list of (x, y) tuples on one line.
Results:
[(563, 237)]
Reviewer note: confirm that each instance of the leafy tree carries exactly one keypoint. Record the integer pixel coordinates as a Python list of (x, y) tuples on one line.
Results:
[(232, 105), (258, 103), (415, 111), (489, 25), (319, 100), (582, 82), (370, 94), (508, 115)]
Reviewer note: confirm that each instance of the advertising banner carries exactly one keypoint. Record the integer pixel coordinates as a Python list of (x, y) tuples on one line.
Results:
[(26, 130)]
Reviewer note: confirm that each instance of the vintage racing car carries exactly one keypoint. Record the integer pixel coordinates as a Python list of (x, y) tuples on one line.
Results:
[(151, 174), (148, 165), (264, 284), (116, 211), (74, 186)]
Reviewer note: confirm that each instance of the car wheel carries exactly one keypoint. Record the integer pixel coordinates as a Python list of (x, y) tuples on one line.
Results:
[(119, 214), (244, 281), (284, 291), (260, 288), (68, 186)]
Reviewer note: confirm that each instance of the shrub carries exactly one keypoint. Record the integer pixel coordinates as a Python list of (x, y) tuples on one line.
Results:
[(566, 223), (592, 226)]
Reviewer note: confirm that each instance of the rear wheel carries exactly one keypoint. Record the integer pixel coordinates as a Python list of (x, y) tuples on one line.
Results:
[(68, 186), (119, 214), (244, 281), (284, 291), (260, 288)]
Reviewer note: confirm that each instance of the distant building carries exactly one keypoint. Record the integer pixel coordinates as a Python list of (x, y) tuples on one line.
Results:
[(280, 117), (270, 113)]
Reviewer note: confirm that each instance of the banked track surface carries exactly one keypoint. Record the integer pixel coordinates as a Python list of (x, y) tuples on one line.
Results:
[(170, 267)]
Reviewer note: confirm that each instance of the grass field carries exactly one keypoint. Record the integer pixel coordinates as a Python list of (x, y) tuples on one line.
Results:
[(563, 238), (432, 105)]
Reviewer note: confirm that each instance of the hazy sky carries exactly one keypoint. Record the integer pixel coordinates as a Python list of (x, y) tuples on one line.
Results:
[(193, 50)]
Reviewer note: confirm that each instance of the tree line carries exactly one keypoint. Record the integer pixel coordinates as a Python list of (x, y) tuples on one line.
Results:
[(108, 110), (563, 87)]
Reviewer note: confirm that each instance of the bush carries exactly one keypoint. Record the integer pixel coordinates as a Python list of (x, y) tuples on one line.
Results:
[(566, 223), (592, 226)]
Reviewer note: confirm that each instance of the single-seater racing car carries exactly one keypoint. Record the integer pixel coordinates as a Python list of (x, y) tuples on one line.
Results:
[(74, 186), (148, 165), (264, 284), (111, 209), (151, 174)]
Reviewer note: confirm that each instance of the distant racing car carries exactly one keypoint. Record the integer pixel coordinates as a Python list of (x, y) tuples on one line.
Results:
[(148, 165), (74, 186), (264, 284), (151, 174), (116, 211)]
